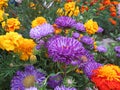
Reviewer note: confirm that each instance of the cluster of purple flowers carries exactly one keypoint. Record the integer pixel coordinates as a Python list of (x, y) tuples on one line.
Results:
[(101, 49), (117, 50), (87, 40)]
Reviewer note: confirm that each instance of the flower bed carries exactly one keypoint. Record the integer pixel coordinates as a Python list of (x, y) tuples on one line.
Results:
[(60, 44)]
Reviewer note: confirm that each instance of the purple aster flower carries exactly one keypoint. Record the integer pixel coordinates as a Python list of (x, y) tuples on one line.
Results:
[(31, 88), (100, 29), (118, 39), (89, 67), (79, 27), (118, 55), (66, 50), (101, 49), (27, 78), (64, 88), (65, 22), (40, 43), (75, 35), (55, 80), (87, 40), (41, 31), (117, 49)]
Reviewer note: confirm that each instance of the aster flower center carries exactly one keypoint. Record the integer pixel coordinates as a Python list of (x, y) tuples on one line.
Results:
[(29, 81), (84, 58)]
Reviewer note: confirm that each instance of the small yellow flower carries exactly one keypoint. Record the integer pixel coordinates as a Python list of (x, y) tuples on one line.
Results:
[(33, 59), (79, 71), (2, 15), (11, 24), (32, 4), (60, 12), (76, 11), (67, 31), (70, 6), (91, 27), (38, 21)]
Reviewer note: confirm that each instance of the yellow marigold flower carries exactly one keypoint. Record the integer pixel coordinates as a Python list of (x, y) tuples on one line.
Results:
[(3, 3), (11, 24), (91, 27), (76, 11), (10, 41), (70, 6), (38, 21), (26, 48)]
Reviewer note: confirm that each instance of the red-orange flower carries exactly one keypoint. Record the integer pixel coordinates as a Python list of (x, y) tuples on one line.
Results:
[(113, 14), (112, 21), (107, 77)]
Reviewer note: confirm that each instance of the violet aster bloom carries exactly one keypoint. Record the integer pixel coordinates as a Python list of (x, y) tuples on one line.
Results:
[(101, 49), (75, 35), (55, 80), (118, 55), (118, 39), (117, 49), (65, 22), (27, 78), (65, 49), (79, 27), (87, 40), (40, 43), (64, 88), (89, 67), (100, 29), (41, 31)]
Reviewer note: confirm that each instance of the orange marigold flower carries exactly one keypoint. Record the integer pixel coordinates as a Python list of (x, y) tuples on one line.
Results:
[(25, 48), (112, 21), (114, 2), (102, 7), (57, 30), (106, 77), (83, 9), (106, 2), (11, 24), (38, 21), (113, 14), (112, 9)]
